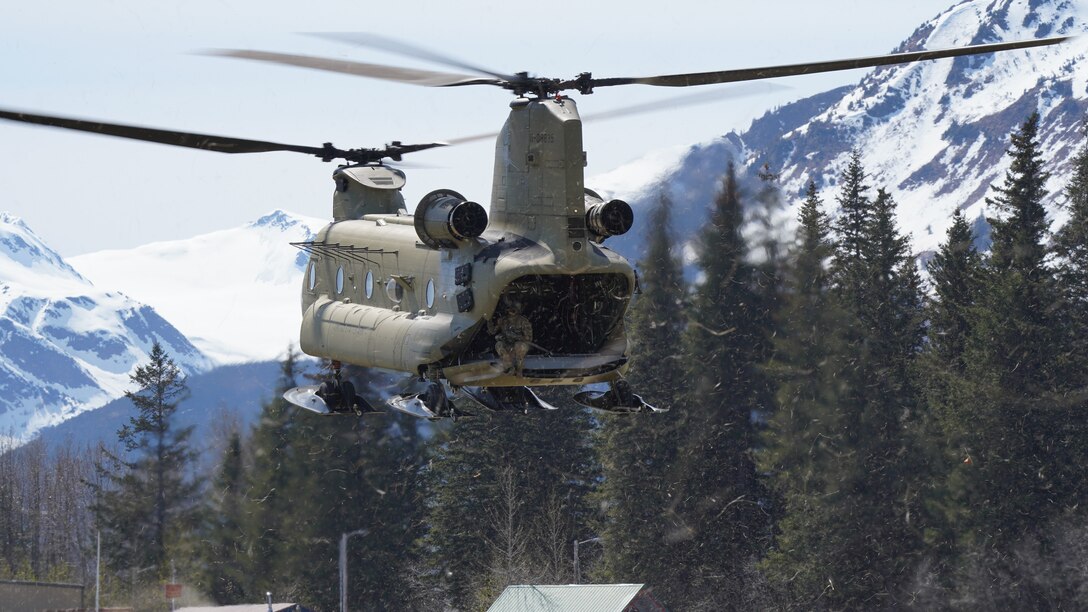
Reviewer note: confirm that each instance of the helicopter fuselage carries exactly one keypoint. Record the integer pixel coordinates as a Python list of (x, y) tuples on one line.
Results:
[(414, 292)]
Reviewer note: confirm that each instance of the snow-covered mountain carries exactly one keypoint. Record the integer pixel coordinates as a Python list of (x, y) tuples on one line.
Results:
[(933, 133), (65, 345), (234, 293)]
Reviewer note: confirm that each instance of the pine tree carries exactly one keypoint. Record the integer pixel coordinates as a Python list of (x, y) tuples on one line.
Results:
[(802, 439), (463, 479), (957, 274), (225, 543), (810, 323), (883, 408), (851, 231), (504, 482), (1071, 247), (360, 474), (1016, 434), (638, 453), (272, 530), (315, 478), (867, 541), (725, 528), (767, 286), (1018, 234), (767, 254), (148, 503), (893, 309), (1020, 417)]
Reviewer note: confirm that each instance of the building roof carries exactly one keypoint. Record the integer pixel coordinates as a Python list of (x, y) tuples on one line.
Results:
[(567, 598), (276, 607)]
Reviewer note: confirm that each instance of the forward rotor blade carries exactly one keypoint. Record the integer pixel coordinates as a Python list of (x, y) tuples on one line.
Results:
[(770, 72), (427, 78), (219, 144), (382, 43), (208, 142), (401, 149)]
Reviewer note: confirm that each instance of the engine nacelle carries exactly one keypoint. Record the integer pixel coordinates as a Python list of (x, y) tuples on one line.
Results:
[(444, 219), (611, 218)]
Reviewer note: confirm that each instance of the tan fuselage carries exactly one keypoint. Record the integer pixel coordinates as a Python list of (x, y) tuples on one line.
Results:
[(375, 294)]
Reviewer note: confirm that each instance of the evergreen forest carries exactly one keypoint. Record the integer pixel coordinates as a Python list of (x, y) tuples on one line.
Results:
[(850, 427)]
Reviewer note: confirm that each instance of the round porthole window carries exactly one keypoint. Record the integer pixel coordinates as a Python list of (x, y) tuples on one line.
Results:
[(394, 291), (340, 279), (313, 275), (368, 284), (430, 293)]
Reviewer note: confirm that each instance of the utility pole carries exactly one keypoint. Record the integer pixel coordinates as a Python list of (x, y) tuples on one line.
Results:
[(98, 571), (344, 567), (577, 566)]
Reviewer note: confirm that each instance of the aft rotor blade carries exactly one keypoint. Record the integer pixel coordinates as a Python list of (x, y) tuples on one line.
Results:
[(382, 43), (208, 142), (703, 97), (427, 78), (770, 72)]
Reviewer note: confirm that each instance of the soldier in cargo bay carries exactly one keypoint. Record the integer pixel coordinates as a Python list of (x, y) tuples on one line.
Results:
[(513, 337)]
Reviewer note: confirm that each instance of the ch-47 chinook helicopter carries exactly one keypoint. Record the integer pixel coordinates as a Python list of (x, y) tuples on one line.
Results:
[(425, 293)]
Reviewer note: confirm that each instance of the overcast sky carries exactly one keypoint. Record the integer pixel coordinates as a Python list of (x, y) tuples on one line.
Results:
[(132, 61)]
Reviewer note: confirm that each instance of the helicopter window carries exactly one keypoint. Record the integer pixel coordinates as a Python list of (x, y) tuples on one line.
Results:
[(340, 279), (394, 291), (313, 275), (430, 293), (368, 284)]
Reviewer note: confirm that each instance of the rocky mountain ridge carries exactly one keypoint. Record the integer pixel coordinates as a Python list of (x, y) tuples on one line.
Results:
[(67, 345), (933, 133)]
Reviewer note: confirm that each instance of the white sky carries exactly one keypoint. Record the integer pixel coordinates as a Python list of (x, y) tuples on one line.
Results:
[(130, 61)]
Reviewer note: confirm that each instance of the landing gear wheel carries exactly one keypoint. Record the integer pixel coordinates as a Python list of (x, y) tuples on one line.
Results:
[(618, 398), (339, 396), (333, 396), (327, 391), (622, 394), (429, 402), (433, 396), (435, 399), (347, 396)]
